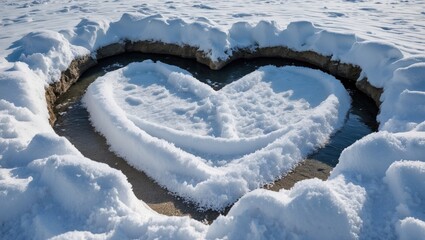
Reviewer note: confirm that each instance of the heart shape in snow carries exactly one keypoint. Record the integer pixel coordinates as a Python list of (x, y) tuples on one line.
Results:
[(214, 146)]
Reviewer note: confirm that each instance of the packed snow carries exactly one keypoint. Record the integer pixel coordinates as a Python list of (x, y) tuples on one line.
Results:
[(48, 189)]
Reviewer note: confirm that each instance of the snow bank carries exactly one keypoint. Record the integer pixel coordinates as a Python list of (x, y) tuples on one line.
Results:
[(48, 53), (362, 158), (23, 111), (70, 196), (312, 209), (208, 38), (389, 167), (47, 188), (375, 191), (407, 88), (162, 120)]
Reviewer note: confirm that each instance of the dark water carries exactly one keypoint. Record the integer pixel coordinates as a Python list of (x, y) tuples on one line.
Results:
[(73, 123)]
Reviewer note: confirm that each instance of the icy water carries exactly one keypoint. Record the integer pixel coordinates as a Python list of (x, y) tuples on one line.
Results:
[(73, 123)]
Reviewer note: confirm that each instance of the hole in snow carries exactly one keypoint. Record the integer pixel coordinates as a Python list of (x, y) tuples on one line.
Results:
[(75, 125)]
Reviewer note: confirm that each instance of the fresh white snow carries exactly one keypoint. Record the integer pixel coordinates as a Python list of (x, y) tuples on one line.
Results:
[(392, 21), (233, 141), (48, 189)]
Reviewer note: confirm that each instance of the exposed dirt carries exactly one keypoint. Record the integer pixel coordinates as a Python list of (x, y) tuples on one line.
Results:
[(308, 169)]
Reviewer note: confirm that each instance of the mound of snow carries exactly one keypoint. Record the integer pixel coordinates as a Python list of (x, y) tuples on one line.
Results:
[(162, 120), (372, 193), (69, 196), (311, 210)]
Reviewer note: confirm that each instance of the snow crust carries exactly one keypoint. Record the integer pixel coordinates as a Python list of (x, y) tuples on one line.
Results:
[(48, 189)]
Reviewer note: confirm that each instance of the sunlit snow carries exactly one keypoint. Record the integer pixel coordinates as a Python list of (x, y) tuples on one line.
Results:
[(48, 189), (162, 120)]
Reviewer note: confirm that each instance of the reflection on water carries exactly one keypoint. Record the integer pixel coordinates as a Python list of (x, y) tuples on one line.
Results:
[(73, 123)]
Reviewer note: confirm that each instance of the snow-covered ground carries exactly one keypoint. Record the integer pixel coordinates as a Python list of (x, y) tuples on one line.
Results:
[(48, 189), (398, 22)]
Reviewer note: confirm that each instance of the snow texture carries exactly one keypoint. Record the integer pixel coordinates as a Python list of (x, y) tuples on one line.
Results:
[(48, 189), (234, 140)]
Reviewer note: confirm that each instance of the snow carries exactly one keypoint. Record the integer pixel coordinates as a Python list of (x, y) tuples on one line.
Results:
[(395, 22), (69, 196), (264, 124), (372, 191), (407, 89), (312, 209), (48, 189), (40, 51)]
